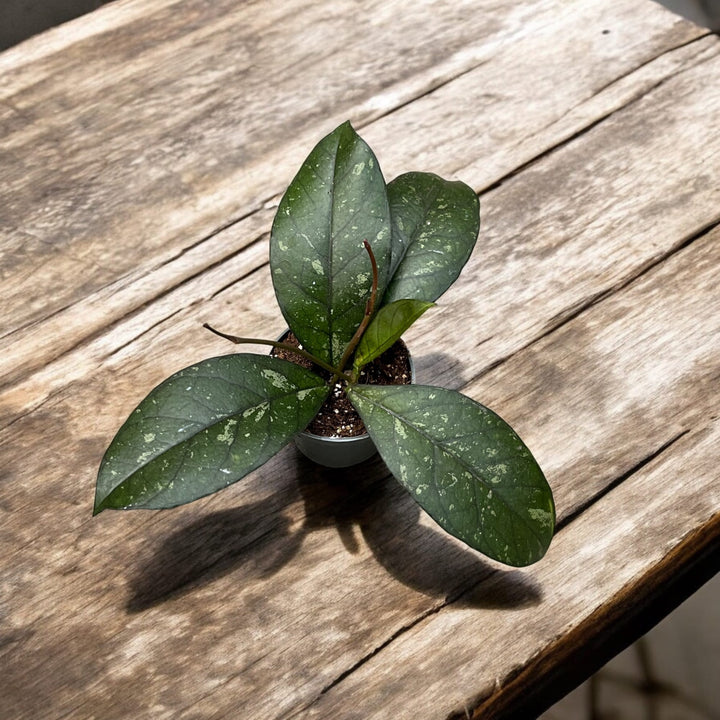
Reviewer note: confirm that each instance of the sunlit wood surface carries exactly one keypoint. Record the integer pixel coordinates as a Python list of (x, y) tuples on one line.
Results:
[(143, 149)]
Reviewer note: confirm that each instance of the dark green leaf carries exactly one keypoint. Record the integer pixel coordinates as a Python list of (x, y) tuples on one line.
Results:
[(320, 268), (464, 465), (389, 323), (435, 224), (204, 428)]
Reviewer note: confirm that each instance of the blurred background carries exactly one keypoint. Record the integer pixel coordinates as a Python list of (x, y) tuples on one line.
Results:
[(19, 19), (673, 672)]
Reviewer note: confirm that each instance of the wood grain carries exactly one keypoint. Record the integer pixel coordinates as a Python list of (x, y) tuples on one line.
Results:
[(174, 150), (141, 183), (200, 112)]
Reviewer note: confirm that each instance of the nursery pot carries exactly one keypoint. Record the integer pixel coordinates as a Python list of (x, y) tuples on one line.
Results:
[(335, 452), (338, 452)]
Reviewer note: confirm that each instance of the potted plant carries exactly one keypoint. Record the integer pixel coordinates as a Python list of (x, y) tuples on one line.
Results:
[(354, 263)]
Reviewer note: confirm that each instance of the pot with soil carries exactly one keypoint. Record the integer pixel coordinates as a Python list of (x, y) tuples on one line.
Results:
[(337, 437)]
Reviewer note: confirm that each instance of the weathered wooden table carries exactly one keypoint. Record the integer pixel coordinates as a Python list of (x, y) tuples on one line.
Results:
[(142, 153)]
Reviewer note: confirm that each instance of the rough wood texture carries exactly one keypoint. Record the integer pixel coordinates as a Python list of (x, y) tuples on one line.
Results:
[(143, 150)]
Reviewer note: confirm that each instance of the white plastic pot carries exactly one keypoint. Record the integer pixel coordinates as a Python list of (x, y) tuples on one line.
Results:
[(335, 452), (338, 452)]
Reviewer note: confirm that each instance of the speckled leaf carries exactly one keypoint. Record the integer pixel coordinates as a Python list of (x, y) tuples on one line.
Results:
[(204, 428), (435, 225), (389, 323), (464, 465), (320, 269)]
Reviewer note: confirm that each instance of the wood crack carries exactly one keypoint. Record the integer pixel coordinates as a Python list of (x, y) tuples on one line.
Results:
[(135, 310), (432, 88), (214, 233), (401, 631), (164, 263), (574, 311), (589, 502), (146, 331), (560, 144), (584, 130), (651, 60), (577, 309)]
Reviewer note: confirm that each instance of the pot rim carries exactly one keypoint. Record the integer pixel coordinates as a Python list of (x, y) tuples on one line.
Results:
[(334, 438)]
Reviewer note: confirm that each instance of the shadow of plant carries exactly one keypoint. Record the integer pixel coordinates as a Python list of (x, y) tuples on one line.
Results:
[(439, 368), (212, 546), (365, 504)]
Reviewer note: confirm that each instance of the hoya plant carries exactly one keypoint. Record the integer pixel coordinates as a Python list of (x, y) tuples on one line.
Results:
[(354, 263)]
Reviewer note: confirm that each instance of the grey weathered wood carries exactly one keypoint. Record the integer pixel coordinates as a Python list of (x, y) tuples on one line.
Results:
[(250, 149), (203, 112), (587, 317)]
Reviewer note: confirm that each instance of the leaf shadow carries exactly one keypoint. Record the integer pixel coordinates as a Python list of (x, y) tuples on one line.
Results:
[(259, 537), (425, 558), (439, 368), (255, 536), (364, 503)]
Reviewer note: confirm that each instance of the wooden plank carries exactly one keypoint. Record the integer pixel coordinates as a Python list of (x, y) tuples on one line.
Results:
[(87, 199), (264, 579)]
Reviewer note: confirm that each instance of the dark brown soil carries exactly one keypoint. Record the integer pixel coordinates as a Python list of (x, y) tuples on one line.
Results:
[(337, 417)]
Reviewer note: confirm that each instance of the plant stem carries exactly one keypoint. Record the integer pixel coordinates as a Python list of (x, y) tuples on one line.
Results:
[(281, 346), (369, 307)]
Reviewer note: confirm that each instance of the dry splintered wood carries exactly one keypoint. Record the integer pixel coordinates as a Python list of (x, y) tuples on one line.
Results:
[(170, 180), (558, 247), (586, 318)]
